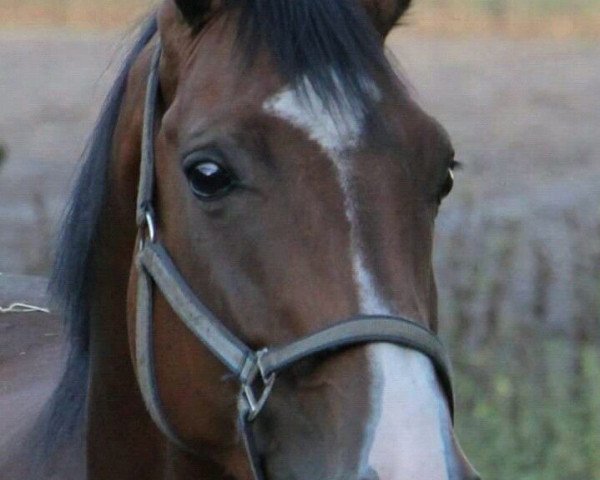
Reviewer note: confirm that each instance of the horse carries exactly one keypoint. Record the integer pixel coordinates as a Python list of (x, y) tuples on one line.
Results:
[(245, 264)]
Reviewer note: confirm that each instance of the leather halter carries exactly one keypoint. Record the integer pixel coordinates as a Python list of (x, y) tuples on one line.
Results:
[(254, 370)]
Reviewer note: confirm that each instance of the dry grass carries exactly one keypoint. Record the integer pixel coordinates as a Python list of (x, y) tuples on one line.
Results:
[(438, 17), (456, 20), (100, 14)]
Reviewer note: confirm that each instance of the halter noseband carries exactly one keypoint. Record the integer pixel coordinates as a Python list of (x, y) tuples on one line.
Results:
[(254, 370)]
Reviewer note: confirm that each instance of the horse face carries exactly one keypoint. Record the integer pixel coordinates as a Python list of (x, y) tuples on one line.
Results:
[(286, 215)]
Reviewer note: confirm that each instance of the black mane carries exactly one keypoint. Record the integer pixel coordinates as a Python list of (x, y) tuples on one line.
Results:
[(327, 44)]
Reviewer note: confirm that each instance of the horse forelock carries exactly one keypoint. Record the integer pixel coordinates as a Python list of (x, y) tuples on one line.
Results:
[(328, 49)]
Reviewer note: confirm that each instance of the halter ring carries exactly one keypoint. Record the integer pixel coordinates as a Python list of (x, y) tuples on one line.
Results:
[(147, 229), (255, 405), (150, 226)]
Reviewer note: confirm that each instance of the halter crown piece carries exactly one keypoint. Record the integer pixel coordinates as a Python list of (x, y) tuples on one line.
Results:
[(255, 371)]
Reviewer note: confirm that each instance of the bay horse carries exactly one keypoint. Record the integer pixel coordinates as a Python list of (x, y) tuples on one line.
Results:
[(259, 173)]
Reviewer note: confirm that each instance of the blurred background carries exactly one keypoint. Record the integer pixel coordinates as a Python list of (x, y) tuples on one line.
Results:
[(517, 85)]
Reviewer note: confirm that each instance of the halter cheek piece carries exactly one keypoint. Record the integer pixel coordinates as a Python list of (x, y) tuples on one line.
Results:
[(255, 371)]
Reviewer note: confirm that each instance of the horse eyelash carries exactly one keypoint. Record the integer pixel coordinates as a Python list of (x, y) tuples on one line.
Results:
[(456, 165)]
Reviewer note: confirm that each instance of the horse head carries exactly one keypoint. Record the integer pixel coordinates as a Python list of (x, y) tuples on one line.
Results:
[(295, 184)]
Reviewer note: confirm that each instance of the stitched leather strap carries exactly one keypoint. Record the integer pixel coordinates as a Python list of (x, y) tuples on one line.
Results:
[(365, 329), (156, 267), (243, 363)]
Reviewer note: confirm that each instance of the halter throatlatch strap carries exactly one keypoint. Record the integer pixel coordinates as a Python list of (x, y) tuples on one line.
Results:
[(255, 371)]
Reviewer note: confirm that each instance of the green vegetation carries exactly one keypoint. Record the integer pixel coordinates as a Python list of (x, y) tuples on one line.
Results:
[(522, 325), (531, 412)]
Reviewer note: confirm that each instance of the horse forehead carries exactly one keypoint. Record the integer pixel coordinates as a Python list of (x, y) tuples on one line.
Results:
[(345, 131), (335, 128)]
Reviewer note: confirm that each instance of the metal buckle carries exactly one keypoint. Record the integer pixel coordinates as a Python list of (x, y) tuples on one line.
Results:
[(255, 405), (147, 229)]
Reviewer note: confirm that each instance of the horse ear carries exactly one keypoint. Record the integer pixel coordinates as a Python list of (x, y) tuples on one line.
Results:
[(385, 13), (195, 12)]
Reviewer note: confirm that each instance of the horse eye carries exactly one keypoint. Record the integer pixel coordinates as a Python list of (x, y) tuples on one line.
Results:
[(209, 180), (447, 186)]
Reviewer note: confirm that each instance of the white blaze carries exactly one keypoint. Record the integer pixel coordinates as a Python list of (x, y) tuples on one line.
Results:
[(413, 423), (405, 432), (338, 132)]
